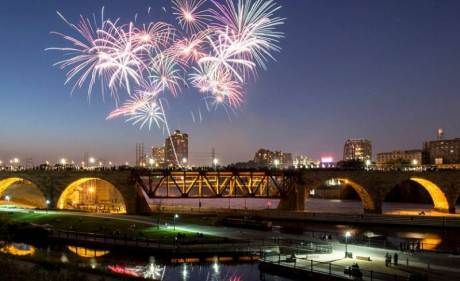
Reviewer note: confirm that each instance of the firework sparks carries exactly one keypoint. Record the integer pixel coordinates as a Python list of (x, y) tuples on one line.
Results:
[(191, 49), (82, 58), (221, 86), (252, 20), (149, 113), (122, 60), (229, 54), (190, 14), (155, 35), (129, 107), (165, 72)]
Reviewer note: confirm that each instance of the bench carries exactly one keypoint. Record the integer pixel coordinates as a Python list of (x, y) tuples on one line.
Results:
[(363, 258)]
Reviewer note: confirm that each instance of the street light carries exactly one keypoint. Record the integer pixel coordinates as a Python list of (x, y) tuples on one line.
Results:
[(347, 235), (215, 161), (176, 216), (368, 163), (48, 202), (7, 198), (276, 162)]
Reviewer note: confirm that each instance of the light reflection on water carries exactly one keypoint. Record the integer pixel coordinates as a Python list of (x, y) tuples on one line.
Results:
[(211, 270), (18, 249)]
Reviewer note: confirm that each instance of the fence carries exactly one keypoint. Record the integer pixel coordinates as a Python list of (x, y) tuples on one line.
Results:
[(326, 268), (202, 246)]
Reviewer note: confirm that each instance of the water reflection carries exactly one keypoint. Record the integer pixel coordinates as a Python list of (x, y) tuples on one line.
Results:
[(149, 271), (18, 249), (87, 252)]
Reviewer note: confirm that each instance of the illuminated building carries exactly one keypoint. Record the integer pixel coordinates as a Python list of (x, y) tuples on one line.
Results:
[(302, 161), (357, 149), (140, 155), (176, 148), (442, 153), (399, 159), (158, 156), (278, 159)]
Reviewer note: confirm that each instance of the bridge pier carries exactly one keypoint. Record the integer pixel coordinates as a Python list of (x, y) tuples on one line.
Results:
[(294, 200)]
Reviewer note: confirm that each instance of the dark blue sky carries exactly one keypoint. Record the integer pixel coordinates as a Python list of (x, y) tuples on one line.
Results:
[(385, 70)]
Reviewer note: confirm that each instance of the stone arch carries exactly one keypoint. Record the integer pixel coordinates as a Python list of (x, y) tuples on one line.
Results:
[(29, 195), (370, 205), (439, 197), (92, 194)]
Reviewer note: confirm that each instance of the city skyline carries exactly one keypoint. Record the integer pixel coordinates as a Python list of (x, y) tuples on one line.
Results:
[(342, 72)]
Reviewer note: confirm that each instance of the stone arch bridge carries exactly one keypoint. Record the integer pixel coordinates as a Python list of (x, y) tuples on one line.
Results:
[(290, 186)]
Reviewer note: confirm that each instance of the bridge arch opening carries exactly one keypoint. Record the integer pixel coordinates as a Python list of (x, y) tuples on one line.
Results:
[(339, 194), (417, 194), (92, 195), (22, 193)]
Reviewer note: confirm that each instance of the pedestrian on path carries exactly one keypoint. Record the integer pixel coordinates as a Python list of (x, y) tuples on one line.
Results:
[(387, 259), (395, 258)]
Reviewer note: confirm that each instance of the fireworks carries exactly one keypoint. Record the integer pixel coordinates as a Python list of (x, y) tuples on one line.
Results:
[(252, 20), (82, 59), (190, 14), (148, 113), (166, 73), (219, 84), (224, 44)]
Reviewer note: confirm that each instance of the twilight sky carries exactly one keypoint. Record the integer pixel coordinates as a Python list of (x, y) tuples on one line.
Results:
[(385, 70)]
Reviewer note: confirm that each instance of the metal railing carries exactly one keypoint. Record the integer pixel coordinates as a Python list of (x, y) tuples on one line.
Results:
[(327, 268)]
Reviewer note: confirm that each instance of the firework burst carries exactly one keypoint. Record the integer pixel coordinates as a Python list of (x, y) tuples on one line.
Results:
[(149, 114), (82, 57), (252, 20), (166, 73), (190, 49), (219, 85), (190, 14)]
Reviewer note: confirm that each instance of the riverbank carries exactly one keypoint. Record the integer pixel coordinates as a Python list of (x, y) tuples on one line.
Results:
[(277, 215), (113, 232)]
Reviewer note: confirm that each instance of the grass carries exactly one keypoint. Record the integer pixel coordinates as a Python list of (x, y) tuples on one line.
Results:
[(102, 225)]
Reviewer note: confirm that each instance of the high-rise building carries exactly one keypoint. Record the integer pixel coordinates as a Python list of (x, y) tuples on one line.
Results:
[(267, 158), (399, 159), (158, 156), (357, 149), (442, 152), (140, 155), (176, 145)]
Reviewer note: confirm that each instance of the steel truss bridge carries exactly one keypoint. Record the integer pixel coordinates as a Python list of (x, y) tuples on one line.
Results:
[(215, 184)]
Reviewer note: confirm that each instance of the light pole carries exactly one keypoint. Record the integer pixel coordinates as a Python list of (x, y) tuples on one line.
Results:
[(347, 235), (368, 163), (176, 216), (48, 202)]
